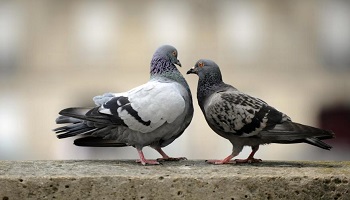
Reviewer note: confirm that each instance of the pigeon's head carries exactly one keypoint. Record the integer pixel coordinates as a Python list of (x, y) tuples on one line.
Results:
[(204, 67), (169, 53)]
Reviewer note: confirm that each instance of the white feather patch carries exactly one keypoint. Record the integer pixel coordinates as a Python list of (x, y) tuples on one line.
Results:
[(156, 103)]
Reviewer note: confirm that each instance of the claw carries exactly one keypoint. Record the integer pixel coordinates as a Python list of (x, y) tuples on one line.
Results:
[(165, 157), (226, 160), (148, 162)]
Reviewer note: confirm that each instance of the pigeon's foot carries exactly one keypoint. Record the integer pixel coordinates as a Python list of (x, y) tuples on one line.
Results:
[(165, 157), (171, 159), (220, 162), (227, 160), (148, 162), (143, 160), (248, 160)]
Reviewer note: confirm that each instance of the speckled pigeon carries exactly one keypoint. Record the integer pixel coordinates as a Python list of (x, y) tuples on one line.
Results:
[(245, 120), (153, 114)]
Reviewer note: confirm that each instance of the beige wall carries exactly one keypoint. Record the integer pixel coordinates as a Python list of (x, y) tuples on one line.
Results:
[(57, 54)]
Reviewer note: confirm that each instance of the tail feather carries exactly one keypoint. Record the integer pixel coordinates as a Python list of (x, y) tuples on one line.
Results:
[(73, 130), (95, 127), (65, 128), (290, 132), (64, 120), (97, 142), (77, 125), (88, 114), (70, 127), (318, 143)]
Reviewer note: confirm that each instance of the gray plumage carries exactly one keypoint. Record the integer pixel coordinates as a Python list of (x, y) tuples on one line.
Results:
[(245, 120), (153, 114)]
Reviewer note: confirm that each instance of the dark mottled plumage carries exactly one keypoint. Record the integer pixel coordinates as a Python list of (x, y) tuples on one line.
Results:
[(153, 114), (245, 120)]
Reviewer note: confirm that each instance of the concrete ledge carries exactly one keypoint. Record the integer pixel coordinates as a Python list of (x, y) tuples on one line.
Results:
[(108, 179)]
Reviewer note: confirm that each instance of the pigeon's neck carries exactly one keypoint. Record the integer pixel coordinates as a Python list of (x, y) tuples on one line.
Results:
[(207, 86), (165, 69)]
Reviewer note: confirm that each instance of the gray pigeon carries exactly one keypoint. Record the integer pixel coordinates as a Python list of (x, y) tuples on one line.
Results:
[(245, 120), (153, 114)]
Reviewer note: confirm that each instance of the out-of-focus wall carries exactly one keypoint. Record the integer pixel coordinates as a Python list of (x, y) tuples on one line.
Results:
[(55, 54)]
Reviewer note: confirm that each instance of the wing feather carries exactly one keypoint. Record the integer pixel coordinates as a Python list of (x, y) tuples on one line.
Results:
[(146, 107), (240, 114)]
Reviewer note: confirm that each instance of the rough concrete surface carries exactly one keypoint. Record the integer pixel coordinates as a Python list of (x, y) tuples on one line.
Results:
[(108, 179)]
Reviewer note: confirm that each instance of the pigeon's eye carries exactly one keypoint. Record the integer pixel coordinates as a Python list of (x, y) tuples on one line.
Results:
[(200, 64), (174, 53)]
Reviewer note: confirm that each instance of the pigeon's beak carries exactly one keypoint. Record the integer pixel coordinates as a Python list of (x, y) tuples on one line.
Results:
[(178, 63), (192, 71)]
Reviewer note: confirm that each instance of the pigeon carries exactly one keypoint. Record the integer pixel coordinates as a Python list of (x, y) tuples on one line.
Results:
[(153, 114), (245, 120)]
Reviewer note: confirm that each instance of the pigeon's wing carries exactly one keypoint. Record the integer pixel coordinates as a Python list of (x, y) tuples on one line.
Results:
[(146, 107), (143, 109), (234, 112)]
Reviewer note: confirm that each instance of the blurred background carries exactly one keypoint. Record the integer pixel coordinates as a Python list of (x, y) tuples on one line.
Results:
[(295, 55)]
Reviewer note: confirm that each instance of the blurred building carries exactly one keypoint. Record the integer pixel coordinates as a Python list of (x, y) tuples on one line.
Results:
[(55, 54)]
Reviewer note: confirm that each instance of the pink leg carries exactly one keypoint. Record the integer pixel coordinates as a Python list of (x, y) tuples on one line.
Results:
[(165, 157), (226, 160), (250, 158), (144, 161)]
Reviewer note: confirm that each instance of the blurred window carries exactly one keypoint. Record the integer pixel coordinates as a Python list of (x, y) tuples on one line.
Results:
[(10, 36), (334, 35)]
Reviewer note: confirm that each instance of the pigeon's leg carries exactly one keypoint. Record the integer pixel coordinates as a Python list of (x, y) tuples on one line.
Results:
[(165, 157), (226, 160), (250, 158), (143, 160)]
